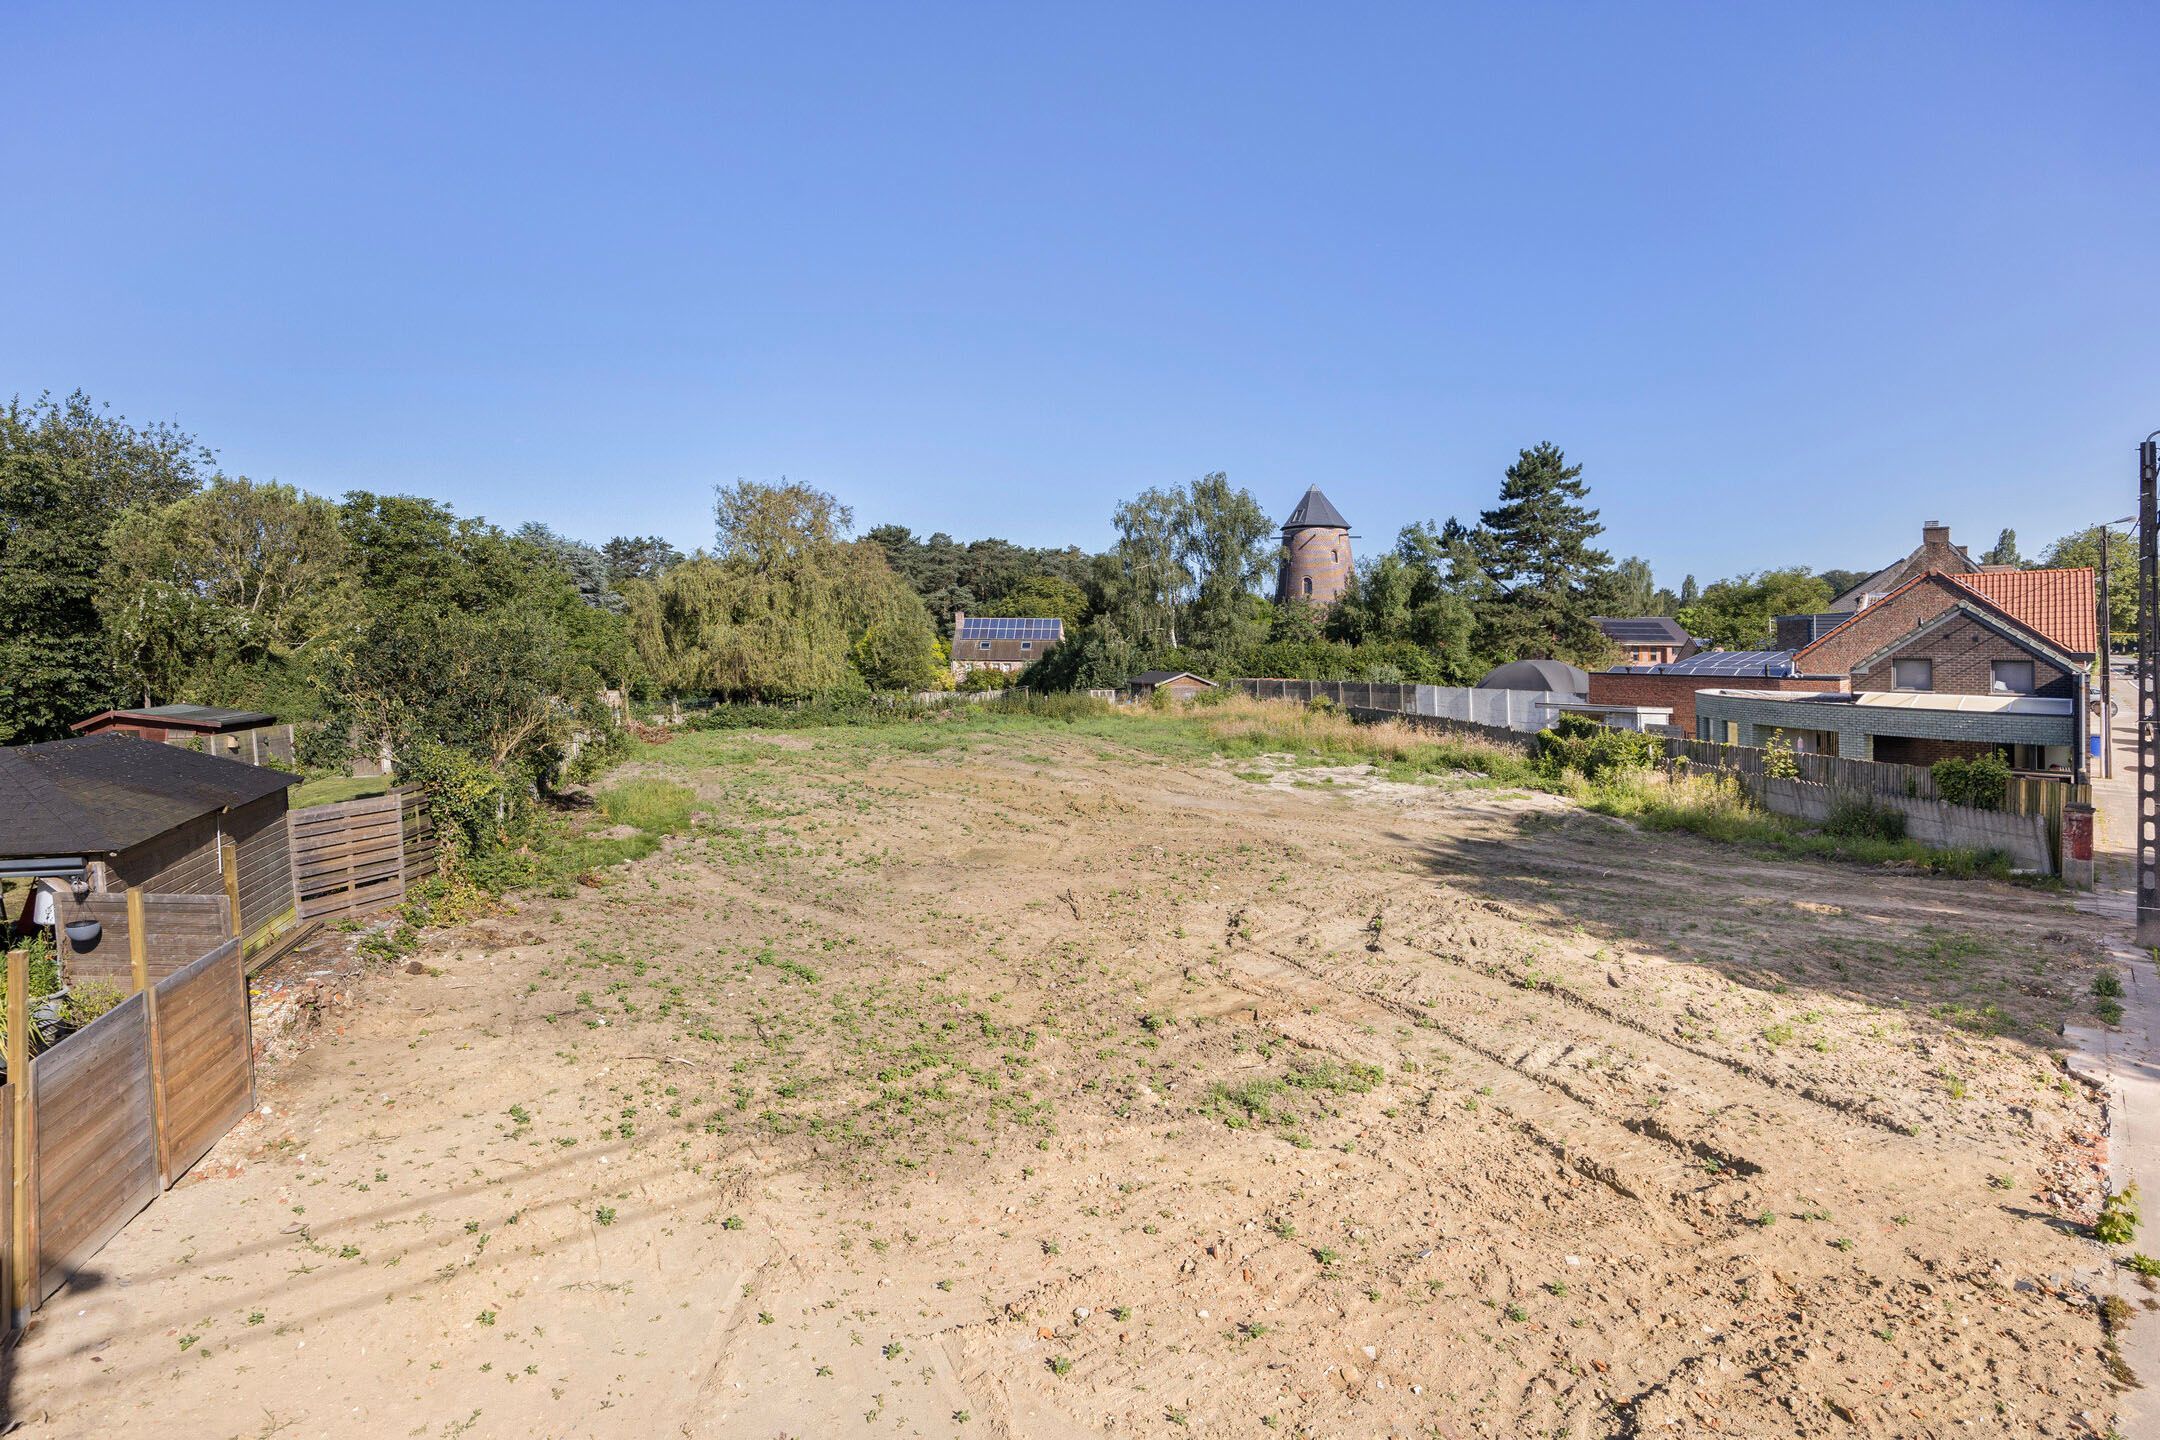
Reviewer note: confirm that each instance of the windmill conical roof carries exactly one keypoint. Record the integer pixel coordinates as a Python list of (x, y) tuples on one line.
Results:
[(1315, 512)]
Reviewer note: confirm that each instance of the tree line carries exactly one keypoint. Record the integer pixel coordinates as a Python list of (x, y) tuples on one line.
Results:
[(133, 571)]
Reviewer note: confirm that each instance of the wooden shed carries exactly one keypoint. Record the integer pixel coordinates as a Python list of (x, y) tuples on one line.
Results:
[(1177, 684), (204, 838), (246, 735)]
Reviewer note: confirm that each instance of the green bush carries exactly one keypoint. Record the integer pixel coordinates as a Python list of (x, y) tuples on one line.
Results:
[(984, 680), (1864, 819), (1579, 744), (605, 746), (88, 999), (474, 805), (1981, 783)]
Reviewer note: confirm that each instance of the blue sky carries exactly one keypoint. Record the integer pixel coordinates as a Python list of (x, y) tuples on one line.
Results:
[(1786, 280)]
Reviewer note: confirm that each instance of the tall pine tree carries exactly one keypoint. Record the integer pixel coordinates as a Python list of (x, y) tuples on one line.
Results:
[(1548, 580)]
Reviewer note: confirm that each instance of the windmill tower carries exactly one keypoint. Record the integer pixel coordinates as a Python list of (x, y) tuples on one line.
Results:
[(1316, 552)]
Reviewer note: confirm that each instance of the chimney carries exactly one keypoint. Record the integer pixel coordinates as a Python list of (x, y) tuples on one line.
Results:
[(959, 618), (1935, 533)]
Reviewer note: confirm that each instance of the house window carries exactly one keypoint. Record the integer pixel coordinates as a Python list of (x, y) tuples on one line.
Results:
[(1332, 557), (2013, 677), (1027, 644), (982, 644), (1308, 584), (1912, 674)]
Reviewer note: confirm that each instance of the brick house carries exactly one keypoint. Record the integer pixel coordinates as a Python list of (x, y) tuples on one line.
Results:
[(1676, 688), (1004, 643), (1943, 665), (1648, 639), (1936, 556)]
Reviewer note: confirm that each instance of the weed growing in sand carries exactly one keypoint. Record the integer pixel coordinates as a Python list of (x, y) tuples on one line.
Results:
[(2118, 1220)]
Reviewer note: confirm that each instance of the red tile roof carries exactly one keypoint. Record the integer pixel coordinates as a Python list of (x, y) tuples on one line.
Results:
[(2057, 603)]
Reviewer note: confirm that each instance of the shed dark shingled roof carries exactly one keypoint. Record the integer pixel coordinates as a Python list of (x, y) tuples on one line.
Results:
[(100, 794), (186, 717), (1315, 513)]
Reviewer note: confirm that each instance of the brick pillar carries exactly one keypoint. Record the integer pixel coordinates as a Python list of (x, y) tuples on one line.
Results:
[(2077, 845)]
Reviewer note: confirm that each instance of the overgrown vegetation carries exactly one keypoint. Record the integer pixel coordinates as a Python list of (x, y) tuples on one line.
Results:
[(1983, 782)]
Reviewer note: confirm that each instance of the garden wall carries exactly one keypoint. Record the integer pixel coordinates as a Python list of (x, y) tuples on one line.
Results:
[(1935, 823)]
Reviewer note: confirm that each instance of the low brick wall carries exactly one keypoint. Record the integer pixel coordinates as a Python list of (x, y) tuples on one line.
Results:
[(1936, 823)]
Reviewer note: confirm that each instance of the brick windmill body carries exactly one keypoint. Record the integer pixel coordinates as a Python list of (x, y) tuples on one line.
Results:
[(1316, 552)]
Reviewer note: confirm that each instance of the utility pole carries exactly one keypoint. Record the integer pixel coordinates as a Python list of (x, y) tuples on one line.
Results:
[(2148, 699), (2107, 667)]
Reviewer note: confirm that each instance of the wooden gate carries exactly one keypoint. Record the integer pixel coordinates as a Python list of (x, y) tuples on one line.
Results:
[(359, 855), (202, 1051), (96, 1147)]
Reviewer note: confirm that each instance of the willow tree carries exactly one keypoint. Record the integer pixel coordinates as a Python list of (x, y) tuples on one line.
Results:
[(785, 606)]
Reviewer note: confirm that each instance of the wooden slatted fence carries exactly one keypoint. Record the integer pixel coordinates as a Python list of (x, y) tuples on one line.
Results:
[(360, 855), (204, 1074), (116, 1112), (96, 1128), (176, 929)]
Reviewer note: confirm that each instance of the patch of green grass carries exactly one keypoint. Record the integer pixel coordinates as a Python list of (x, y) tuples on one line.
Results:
[(1257, 1099), (658, 807), (330, 789)]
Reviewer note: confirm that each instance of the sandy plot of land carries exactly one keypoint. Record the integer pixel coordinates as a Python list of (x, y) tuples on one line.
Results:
[(1032, 1085)]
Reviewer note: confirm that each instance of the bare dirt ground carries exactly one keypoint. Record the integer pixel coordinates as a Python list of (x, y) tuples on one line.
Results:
[(1028, 1084)]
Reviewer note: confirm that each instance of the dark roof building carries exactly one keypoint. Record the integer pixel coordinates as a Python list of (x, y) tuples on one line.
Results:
[(1556, 676), (1002, 642), (188, 719), (1936, 555), (98, 795), (1178, 684), (1648, 639), (128, 814)]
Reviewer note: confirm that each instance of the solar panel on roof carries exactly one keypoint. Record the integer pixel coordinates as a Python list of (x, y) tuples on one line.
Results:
[(997, 627), (1768, 663)]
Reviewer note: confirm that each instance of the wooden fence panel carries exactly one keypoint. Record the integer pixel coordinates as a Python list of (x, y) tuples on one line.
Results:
[(418, 823), (346, 858), (7, 1198), (176, 929), (205, 1072), (97, 1161)]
